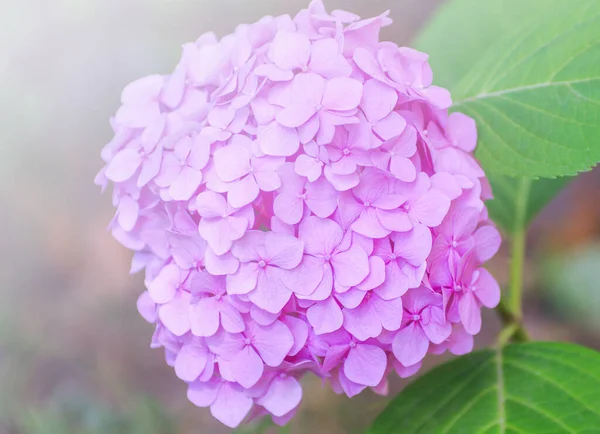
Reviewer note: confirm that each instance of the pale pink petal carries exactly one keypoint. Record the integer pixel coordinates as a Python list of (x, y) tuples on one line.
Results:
[(309, 129), (203, 394), (437, 328), (394, 220), (220, 234), (431, 208), (283, 395), (326, 59), (290, 50), (389, 312), (204, 317), (351, 298), (232, 161), (368, 224), (128, 212), (362, 322), (320, 236), (487, 243), (308, 166), (305, 278), (295, 115), (486, 289), (211, 205), (410, 344), (389, 127), (123, 165), (267, 181), (378, 100), (350, 267), (273, 342), (146, 307), (164, 286), (186, 183), (175, 314), (288, 208), (247, 367), (138, 115), (242, 192), (365, 365), (376, 274), (190, 362), (447, 184), (341, 182), (150, 167), (277, 140), (321, 198), (438, 96), (220, 265), (414, 246), (270, 293), (244, 280), (283, 251), (470, 313), (342, 93), (299, 330), (231, 405), (462, 131), (142, 90), (325, 316)]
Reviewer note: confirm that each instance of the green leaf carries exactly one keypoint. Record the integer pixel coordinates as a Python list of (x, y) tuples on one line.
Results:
[(509, 196), (535, 387), (528, 72)]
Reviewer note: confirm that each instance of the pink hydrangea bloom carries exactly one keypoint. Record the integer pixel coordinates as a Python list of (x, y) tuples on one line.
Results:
[(301, 201)]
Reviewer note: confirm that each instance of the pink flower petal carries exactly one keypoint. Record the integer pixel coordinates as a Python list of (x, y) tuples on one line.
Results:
[(362, 322), (290, 50), (190, 362), (204, 317), (175, 314), (242, 192), (277, 140), (283, 395), (325, 316), (270, 293), (342, 93), (247, 367), (273, 342), (284, 251), (486, 289), (431, 208), (123, 165), (232, 161), (487, 243), (470, 313), (350, 267), (410, 345), (231, 405), (365, 365)]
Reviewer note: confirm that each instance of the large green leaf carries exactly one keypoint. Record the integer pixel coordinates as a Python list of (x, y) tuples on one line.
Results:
[(517, 200), (536, 387), (529, 73)]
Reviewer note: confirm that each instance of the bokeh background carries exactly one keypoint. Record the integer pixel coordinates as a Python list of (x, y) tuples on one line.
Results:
[(74, 353)]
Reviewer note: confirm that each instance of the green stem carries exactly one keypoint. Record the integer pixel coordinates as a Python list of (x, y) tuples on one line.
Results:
[(511, 313), (517, 259)]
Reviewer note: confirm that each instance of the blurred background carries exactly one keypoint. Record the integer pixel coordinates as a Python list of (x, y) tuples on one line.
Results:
[(74, 353)]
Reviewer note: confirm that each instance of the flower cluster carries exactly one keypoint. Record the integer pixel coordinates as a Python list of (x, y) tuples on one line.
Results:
[(300, 200)]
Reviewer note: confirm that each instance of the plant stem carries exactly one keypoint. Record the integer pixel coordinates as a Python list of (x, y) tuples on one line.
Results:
[(513, 329), (517, 259), (511, 313)]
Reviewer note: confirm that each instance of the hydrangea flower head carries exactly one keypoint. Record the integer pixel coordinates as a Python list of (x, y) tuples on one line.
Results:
[(301, 201)]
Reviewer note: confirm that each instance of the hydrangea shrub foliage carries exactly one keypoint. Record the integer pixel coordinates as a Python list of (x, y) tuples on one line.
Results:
[(302, 199)]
